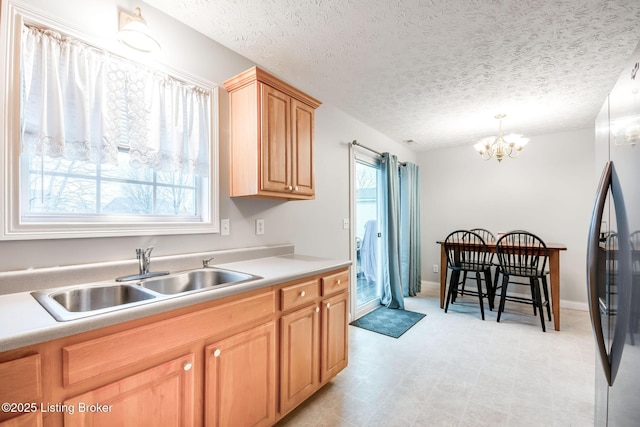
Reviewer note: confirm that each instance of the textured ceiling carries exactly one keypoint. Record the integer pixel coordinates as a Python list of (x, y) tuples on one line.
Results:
[(434, 71)]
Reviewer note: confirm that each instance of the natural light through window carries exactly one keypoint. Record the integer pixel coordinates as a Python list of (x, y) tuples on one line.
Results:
[(57, 187), (105, 145)]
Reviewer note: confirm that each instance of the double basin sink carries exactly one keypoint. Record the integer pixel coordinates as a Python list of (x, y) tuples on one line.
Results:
[(80, 301)]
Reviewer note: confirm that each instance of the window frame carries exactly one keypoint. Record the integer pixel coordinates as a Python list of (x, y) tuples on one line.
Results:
[(12, 226)]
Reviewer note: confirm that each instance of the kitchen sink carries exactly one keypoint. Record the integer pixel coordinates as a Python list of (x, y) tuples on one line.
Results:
[(99, 297), (206, 278), (80, 301), (88, 300)]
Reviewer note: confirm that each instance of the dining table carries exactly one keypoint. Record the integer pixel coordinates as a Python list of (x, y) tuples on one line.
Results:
[(553, 249)]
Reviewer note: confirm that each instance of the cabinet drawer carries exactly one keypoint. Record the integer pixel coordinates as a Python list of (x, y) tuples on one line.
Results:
[(101, 355), (296, 295), (20, 380), (334, 283)]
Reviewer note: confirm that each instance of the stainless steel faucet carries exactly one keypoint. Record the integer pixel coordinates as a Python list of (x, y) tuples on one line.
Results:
[(207, 262), (144, 262), (144, 259)]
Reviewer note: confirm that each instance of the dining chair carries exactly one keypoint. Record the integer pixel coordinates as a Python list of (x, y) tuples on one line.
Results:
[(466, 251), (488, 238), (523, 254)]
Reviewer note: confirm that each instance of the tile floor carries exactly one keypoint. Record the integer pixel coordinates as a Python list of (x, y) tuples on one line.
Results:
[(456, 370)]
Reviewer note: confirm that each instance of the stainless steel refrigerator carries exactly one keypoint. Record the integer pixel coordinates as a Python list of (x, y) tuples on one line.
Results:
[(613, 254)]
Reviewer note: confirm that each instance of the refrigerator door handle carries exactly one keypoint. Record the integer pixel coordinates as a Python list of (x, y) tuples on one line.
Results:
[(623, 276), (593, 246), (611, 361)]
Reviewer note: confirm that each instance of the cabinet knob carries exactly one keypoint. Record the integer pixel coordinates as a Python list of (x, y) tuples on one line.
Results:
[(328, 305), (317, 309), (187, 366), (303, 293), (295, 188), (338, 281), (290, 188), (217, 352)]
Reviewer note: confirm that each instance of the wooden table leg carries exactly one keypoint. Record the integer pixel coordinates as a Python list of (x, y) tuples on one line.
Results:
[(443, 274), (554, 271)]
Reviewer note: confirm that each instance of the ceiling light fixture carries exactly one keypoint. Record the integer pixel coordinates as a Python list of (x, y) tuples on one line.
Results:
[(133, 32), (500, 146)]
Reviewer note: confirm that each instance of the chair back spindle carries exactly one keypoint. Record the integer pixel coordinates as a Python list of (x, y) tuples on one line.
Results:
[(466, 250), (522, 254)]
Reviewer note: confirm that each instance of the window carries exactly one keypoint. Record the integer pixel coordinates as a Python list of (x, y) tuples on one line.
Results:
[(103, 145)]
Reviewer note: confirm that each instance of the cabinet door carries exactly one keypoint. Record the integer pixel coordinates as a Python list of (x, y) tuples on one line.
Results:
[(20, 382), (240, 379), (31, 419), (299, 356), (335, 315), (302, 148), (160, 396), (275, 150)]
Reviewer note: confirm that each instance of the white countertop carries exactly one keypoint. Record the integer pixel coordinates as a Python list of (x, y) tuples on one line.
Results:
[(23, 321)]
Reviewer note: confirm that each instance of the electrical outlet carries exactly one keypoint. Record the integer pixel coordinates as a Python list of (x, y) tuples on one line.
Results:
[(259, 226), (225, 227), (435, 268)]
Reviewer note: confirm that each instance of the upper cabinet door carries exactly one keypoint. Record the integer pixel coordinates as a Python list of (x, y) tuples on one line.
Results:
[(275, 148), (302, 148)]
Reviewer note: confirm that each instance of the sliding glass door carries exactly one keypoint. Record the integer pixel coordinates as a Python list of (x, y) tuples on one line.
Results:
[(367, 234)]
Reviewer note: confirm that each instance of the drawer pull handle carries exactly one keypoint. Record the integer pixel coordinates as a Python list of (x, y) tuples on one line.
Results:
[(303, 293), (187, 366), (216, 353)]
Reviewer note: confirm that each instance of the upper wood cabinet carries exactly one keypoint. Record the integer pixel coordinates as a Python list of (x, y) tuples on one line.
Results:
[(272, 127)]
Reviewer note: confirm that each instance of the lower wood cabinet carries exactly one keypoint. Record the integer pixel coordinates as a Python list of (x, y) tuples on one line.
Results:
[(313, 338), (240, 379), (335, 318), (299, 356), (243, 360), (21, 389), (160, 396)]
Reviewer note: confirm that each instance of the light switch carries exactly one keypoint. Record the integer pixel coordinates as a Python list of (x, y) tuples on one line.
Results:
[(225, 227), (259, 226)]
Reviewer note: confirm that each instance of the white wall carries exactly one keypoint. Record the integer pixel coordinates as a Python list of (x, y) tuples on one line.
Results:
[(314, 227), (547, 190)]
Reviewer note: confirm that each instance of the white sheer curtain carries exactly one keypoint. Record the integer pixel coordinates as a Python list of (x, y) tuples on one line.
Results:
[(82, 103)]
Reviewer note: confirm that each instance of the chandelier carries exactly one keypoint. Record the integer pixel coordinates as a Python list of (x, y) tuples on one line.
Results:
[(500, 146)]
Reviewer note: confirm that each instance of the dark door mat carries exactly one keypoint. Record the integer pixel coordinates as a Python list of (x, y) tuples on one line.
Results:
[(388, 321)]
